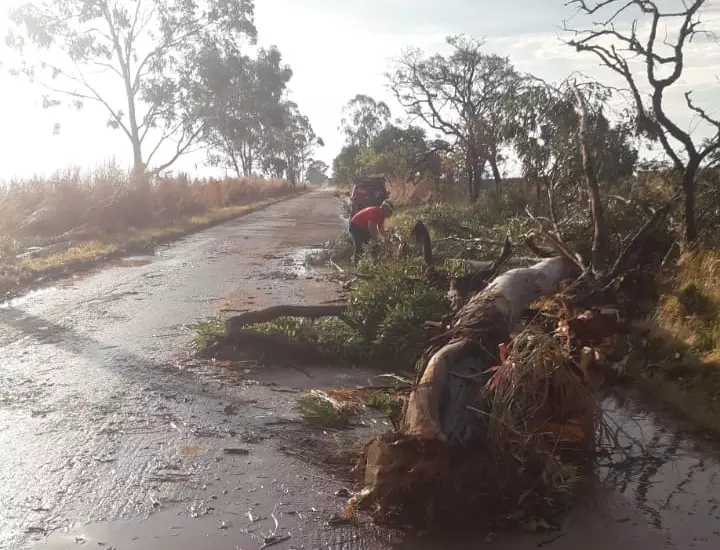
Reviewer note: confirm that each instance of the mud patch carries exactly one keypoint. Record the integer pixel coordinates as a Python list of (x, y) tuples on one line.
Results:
[(280, 275)]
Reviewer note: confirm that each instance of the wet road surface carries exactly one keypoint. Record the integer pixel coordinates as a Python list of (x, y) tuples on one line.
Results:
[(102, 417), (112, 436)]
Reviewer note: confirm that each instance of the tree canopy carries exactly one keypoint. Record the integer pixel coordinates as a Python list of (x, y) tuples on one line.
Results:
[(134, 58), (174, 77), (363, 118), (464, 95)]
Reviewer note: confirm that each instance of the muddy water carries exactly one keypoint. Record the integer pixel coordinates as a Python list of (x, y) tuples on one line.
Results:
[(669, 474), (655, 485)]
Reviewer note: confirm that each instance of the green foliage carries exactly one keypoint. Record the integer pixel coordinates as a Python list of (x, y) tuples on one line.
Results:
[(346, 165), (294, 143), (464, 95), (543, 129), (317, 172), (388, 308), (400, 153), (206, 331), (363, 118), (242, 101), (318, 408), (331, 335), (389, 404)]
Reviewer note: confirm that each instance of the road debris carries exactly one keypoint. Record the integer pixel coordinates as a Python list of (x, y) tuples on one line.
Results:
[(236, 451), (273, 540)]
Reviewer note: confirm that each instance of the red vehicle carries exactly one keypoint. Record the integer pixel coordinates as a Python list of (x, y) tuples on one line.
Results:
[(368, 191)]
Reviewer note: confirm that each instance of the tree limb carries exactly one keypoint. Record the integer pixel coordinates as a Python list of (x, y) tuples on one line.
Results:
[(619, 265), (238, 322)]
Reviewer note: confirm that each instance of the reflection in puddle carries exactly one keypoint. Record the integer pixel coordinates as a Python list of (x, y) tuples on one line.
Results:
[(300, 260), (672, 479)]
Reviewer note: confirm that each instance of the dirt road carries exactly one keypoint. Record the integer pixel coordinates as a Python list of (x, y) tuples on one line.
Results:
[(112, 436), (103, 418)]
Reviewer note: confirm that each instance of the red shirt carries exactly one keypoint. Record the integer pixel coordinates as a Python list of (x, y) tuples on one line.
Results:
[(366, 216)]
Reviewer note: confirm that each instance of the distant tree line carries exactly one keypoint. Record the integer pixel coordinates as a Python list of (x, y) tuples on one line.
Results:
[(174, 77)]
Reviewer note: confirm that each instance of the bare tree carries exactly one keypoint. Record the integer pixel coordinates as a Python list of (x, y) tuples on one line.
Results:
[(664, 61), (461, 95)]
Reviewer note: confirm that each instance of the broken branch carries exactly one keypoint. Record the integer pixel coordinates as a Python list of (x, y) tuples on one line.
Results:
[(237, 322)]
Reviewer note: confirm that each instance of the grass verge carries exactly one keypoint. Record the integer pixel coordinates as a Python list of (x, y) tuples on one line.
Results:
[(680, 340), (20, 274)]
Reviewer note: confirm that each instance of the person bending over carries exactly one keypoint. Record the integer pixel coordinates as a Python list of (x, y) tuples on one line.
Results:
[(369, 224)]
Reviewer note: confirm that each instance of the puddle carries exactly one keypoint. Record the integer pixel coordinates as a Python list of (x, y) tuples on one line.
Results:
[(655, 487), (28, 297), (672, 476), (298, 264), (164, 531), (134, 261)]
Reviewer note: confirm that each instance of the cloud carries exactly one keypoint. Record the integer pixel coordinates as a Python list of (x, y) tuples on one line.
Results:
[(338, 48)]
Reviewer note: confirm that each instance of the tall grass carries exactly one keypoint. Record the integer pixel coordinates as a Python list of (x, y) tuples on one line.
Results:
[(426, 191), (82, 205), (73, 219)]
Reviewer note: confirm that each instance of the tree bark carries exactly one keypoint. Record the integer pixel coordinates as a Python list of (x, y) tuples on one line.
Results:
[(438, 408), (469, 174), (600, 245), (689, 192), (496, 171), (238, 322), (477, 174)]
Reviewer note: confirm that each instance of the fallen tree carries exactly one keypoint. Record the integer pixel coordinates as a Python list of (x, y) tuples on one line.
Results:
[(470, 347), (243, 338), (479, 426), (443, 438), (459, 288), (235, 324)]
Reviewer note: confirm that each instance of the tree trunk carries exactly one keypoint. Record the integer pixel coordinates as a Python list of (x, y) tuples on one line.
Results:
[(496, 171), (438, 409), (238, 322), (689, 191), (477, 168), (600, 245), (440, 463), (138, 163), (469, 174), (246, 159), (238, 173)]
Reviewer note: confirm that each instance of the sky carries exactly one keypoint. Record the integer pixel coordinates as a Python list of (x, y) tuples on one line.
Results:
[(337, 49)]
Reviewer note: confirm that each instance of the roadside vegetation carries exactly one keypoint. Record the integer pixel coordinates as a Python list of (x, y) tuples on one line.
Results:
[(56, 225), (180, 79)]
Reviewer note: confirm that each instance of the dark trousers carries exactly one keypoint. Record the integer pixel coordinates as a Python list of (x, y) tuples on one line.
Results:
[(360, 237)]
